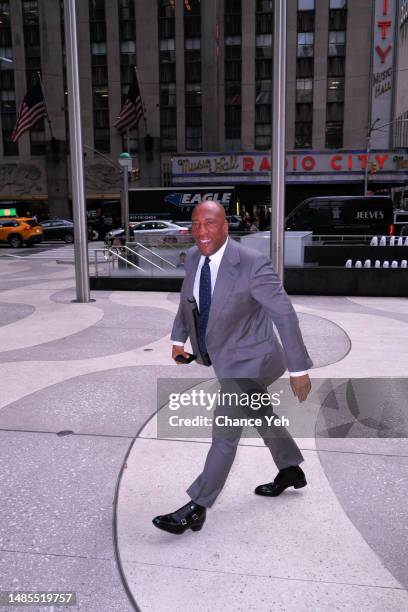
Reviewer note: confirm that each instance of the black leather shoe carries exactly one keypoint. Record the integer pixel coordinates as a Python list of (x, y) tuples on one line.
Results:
[(190, 516), (288, 477)]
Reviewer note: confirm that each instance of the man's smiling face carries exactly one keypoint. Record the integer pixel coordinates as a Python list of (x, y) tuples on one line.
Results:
[(209, 227)]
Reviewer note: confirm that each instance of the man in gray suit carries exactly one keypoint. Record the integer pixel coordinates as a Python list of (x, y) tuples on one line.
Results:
[(229, 300)]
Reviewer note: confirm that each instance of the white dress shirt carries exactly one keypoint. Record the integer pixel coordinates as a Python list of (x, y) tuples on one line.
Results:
[(215, 261)]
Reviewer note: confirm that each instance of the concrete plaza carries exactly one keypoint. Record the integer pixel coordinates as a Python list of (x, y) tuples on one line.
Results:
[(82, 471)]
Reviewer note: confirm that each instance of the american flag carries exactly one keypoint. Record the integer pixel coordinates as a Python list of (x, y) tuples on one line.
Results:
[(132, 110), (32, 109)]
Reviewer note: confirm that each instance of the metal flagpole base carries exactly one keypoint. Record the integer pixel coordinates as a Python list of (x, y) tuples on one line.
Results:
[(81, 302)]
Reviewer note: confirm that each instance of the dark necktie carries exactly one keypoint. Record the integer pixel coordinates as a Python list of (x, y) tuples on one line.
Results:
[(205, 303)]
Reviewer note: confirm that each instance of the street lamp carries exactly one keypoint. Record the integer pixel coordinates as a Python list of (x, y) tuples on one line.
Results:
[(370, 129), (125, 161)]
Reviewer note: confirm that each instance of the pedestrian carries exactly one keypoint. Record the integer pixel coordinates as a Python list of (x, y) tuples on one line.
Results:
[(182, 260), (254, 225), (229, 299)]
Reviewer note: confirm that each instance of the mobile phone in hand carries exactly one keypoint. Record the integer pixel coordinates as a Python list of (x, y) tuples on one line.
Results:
[(182, 359)]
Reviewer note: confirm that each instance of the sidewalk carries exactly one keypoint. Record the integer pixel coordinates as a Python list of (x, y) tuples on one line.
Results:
[(82, 473)]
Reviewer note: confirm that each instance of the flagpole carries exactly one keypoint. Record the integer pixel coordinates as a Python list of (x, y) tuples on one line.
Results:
[(76, 152), (45, 104), (141, 97), (127, 140)]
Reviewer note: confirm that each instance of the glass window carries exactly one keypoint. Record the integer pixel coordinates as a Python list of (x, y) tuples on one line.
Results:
[(334, 135), (233, 92), (192, 43), (167, 8), (264, 23), (304, 112), (306, 5), (167, 73), (167, 44), (337, 20), (232, 40), (264, 40), (233, 71), (305, 21), (128, 46), (232, 6), (168, 94), (233, 116), (263, 136), (337, 41), (193, 94), (305, 41), (264, 6), (304, 90), (338, 4), (263, 92), (336, 66), (335, 112), (303, 134), (335, 89), (126, 9), (192, 72), (263, 113), (263, 69), (6, 52), (193, 138), (98, 48), (168, 138), (97, 10), (232, 25)]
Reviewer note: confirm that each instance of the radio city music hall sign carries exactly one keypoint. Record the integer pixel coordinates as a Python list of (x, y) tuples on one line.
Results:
[(382, 78), (238, 166)]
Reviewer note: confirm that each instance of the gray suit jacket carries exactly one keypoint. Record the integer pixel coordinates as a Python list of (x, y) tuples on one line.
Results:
[(248, 296)]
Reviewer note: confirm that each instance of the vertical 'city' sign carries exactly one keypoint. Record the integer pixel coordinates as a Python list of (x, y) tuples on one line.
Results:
[(382, 78)]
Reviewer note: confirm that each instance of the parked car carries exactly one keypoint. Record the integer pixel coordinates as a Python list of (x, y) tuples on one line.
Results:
[(58, 229), (362, 215), (234, 222), (17, 231), (63, 229), (153, 232), (401, 222)]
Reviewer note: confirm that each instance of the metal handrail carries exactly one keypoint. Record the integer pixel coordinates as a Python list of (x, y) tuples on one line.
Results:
[(115, 254), (336, 238), (138, 255), (139, 244)]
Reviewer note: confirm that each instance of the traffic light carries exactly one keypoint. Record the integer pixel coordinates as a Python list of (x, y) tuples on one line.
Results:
[(135, 175), (373, 167)]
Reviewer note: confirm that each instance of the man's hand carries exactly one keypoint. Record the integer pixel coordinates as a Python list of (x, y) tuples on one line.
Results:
[(301, 386), (178, 350)]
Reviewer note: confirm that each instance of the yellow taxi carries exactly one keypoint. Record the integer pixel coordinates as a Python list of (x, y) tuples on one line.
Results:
[(17, 231)]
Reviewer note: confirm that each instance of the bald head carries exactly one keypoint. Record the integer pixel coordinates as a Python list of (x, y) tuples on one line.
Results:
[(210, 206), (209, 226)]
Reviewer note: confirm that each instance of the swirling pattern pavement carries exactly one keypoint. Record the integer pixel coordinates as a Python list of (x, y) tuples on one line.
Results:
[(82, 471)]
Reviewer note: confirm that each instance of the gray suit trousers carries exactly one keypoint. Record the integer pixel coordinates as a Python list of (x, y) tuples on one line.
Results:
[(285, 452)]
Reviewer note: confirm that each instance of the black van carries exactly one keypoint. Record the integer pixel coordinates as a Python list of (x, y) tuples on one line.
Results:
[(369, 215)]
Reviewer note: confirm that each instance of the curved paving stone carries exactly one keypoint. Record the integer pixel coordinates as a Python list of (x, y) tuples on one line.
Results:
[(9, 313), (96, 581), (374, 306), (59, 500), (113, 402), (326, 342), (372, 491), (120, 329), (302, 538)]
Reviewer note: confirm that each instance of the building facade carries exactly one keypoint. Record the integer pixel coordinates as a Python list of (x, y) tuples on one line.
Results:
[(206, 76)]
